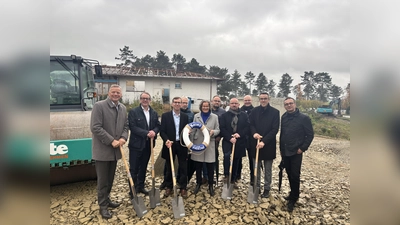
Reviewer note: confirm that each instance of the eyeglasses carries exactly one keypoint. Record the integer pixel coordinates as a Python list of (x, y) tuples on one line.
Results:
[(146, 99), (262, 99), (287, 104)]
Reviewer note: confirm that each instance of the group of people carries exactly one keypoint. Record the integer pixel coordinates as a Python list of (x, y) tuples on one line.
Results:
[(241, 129)]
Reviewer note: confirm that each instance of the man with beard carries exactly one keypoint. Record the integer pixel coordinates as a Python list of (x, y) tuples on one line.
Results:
[(234, 126), (216, 109)]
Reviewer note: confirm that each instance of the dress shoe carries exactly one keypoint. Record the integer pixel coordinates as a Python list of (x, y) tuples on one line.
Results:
[(143, 191), (211, 189), (290, 205), (265, 194), (197, 189), (168, 192), (163, 185), (183, 193), (238, 179), (113, 204), (105, 213)]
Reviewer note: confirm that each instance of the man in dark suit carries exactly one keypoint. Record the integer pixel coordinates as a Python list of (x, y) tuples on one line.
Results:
[(172, 124), (264, 125), (144, 125), (296, 136), (234, 126)]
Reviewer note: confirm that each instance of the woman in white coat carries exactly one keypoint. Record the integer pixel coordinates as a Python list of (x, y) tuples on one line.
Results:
[(210, 120)]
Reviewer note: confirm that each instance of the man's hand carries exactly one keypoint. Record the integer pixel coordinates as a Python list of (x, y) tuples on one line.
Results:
[(168, 143), (236, 135), (233, 140), (260, 145), (299, 151), (121, 142), (115, 144), (257, 136), (151, 134), (211, 132)]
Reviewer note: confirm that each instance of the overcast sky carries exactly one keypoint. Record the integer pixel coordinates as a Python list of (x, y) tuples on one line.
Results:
[(273, 37)]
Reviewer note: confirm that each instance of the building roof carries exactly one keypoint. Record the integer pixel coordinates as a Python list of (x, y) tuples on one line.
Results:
[(153, 72)]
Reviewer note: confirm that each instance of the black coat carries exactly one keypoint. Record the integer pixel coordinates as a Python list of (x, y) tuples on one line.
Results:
[(168, 132), (264, 121), (296, 132), (140, 129), (243, 128)]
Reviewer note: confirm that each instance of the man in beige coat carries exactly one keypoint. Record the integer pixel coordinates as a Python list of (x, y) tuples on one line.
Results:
[(109, 126)]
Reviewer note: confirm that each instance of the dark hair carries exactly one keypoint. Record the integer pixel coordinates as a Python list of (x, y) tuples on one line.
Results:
[(147, 93), (205, 101), (264, 93), (175, 98)]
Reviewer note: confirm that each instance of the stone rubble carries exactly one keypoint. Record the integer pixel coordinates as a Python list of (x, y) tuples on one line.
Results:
[(324, 198)]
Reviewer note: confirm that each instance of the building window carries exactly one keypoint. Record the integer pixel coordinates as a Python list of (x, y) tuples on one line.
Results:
[(178, 85), (135, 86)]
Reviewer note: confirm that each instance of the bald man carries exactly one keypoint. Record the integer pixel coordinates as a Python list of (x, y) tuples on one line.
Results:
[(247, 108), (234, 126)]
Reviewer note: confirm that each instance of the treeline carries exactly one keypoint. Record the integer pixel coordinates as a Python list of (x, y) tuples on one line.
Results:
[(313, 86)]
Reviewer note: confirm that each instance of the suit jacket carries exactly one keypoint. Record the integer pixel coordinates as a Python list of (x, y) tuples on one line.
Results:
[(264, 121), (168, 132), (107, 124), (243, 127), (140, 129)]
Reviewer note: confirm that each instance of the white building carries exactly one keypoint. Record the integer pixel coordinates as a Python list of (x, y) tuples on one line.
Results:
[(162, 85)]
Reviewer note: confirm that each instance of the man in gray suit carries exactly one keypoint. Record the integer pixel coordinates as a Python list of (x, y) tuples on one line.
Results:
[(109, 126)]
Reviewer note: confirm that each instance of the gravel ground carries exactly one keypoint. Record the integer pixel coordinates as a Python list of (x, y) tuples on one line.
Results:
[(324, 198)]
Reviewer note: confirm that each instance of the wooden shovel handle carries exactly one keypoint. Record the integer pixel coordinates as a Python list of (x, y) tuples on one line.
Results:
[(126, 167), (172, 166), (232, 157), (152, 157), (256, 162)]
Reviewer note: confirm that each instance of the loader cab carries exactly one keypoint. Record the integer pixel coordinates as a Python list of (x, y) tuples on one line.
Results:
[(72, 86)]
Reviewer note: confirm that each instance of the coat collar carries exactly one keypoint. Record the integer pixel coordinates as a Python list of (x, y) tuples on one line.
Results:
[(110, 103)]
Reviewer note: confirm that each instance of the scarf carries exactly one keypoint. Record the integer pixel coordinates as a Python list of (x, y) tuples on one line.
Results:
[(235, 119), (247, 109), (205, 116)]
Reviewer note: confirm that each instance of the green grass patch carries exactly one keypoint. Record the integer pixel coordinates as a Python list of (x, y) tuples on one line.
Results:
[(330, 126)]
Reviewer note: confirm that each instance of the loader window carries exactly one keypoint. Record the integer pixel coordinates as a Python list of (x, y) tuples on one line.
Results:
[(64, 84), (87, 85)]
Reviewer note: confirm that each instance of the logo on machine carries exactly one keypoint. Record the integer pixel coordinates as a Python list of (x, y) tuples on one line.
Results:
[(58, 151)]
